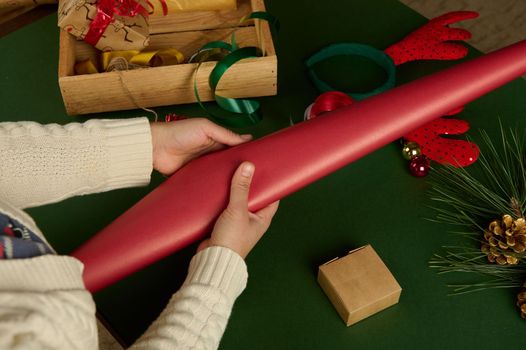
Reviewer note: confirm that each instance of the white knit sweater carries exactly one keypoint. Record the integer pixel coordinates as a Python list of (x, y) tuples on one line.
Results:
[(43, 302)]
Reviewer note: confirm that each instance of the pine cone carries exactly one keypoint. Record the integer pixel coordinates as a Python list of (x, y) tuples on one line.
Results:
[(521, 301), (505, 240)]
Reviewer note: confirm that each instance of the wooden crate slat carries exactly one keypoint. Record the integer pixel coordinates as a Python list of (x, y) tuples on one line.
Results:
[(200, 20), (163, 86)]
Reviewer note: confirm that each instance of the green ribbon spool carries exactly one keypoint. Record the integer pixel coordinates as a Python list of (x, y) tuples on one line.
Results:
[(350, 49), (243, 112)]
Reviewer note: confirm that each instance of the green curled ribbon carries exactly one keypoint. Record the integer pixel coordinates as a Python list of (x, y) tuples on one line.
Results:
[(243, 112)]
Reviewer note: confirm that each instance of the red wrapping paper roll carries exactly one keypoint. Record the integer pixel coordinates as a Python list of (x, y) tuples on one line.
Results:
[(285, 161)]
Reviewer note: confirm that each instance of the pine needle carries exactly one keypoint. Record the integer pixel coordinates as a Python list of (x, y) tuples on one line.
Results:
[(472, 202)]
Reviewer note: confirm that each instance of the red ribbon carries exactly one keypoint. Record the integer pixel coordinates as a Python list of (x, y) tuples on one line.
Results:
[(107, 9), (172, 117), (327, 102)]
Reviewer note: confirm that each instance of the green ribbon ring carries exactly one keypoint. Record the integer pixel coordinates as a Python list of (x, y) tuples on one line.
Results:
[(350, 49)]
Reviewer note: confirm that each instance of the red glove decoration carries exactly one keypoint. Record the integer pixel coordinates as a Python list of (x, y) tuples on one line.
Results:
[(459, 153), (455, 152), (430, 42)]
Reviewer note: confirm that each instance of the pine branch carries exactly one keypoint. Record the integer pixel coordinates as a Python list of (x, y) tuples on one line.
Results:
[(472, 202)]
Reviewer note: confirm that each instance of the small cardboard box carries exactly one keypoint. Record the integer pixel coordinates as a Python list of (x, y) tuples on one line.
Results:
[(359, 284), (169, 85)]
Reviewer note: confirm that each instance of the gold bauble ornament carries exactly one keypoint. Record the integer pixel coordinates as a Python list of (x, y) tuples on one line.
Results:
[(411, 150)]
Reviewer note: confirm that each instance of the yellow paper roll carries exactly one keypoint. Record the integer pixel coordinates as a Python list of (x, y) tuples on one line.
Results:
[(175, 6), (135, 58), (86, 66), (157, 58)]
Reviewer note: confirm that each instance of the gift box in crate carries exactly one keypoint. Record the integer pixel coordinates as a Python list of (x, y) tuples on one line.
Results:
[(167, 85), (106, 24)]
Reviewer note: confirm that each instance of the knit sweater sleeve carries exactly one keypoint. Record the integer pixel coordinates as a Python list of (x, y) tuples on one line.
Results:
[(44, 305), (196, 316), (42, 164)]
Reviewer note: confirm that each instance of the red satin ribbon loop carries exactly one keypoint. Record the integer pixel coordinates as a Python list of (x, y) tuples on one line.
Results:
[(329, 101)]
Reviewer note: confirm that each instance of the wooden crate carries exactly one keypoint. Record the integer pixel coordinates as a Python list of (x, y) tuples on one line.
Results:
[(168, 85)]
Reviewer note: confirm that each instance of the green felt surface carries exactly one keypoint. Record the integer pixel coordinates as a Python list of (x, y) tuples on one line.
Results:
[(374, 200)]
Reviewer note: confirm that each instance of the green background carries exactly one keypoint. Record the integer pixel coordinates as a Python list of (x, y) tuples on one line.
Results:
[(373, 200)]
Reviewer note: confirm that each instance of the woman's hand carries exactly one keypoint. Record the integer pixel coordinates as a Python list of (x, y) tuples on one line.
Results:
[(175, 144), (237, 228)]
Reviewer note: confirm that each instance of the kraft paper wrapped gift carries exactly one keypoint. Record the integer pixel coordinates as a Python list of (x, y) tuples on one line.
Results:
[(123, 33), (359, 284)]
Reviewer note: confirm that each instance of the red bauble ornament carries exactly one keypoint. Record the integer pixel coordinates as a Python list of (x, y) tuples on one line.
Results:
[(419, 166)]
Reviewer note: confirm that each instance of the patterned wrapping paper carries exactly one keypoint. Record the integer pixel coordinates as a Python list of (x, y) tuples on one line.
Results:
[(4, 4), (124, 33), (194, 5)]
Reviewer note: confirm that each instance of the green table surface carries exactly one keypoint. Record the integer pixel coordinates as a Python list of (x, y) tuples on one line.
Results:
[(373, 200)]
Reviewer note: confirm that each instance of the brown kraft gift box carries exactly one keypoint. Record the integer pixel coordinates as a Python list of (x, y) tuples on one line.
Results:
[(359, 284), (124, 33)]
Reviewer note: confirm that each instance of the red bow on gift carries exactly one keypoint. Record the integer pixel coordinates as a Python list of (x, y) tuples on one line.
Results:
[(108, 9)]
